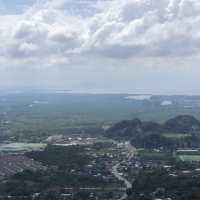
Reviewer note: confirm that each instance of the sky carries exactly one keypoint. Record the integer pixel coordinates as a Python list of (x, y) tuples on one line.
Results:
[(129, 46)]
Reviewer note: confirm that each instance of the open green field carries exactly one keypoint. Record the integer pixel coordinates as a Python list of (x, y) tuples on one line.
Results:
[(189, 158), (154, 155), (176, 135)]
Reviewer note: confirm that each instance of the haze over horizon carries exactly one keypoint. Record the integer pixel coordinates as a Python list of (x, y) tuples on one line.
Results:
[(106, 46)]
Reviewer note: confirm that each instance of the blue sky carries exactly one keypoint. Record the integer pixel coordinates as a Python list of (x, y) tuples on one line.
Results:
[(135, 46), (15, 6)]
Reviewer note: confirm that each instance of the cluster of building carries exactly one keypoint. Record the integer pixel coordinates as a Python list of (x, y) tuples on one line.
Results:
[(12, 164)]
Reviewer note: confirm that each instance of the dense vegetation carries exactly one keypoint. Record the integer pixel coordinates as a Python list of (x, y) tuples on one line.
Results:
[(182, 124), (67, 157), (157, 184), (179, 132), (67, 167)]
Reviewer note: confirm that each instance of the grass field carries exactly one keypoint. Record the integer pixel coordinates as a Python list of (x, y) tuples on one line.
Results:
[(176, 135), (154, 155), (190, 158)]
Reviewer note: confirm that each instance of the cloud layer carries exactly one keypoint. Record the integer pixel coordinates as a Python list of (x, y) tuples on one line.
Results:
[(54, 33), (139, 46)]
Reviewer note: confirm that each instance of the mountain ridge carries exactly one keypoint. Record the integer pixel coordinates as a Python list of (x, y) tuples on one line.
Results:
[(139, 132)]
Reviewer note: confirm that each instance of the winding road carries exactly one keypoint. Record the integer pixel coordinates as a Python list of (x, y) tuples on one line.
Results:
[(128, 184)]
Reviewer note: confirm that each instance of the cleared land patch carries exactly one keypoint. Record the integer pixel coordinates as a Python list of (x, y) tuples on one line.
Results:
[(176, 135), (190, 158), (154, 155)]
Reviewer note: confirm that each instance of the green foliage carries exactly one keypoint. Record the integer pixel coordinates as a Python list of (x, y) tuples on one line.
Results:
[(62, 156), (158, 184), (154, 155), (61, 160), (152, 135)]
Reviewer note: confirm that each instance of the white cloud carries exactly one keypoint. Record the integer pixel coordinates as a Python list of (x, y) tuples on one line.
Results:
[(125, 29), (149, 28)]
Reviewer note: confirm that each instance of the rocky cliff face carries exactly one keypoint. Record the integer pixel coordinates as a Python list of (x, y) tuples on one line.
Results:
[(128, 129), (182, 124), (125, 129)]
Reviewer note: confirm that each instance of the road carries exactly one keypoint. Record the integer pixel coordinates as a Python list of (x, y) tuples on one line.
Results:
[(121, 178), (128, 184)]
